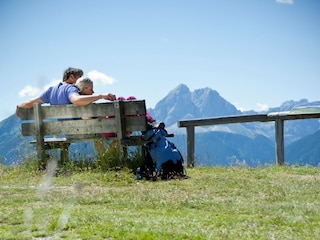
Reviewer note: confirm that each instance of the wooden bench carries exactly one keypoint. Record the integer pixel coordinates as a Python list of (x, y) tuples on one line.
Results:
[(45, 122)]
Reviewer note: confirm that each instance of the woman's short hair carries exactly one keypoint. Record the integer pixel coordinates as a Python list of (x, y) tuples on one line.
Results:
[(83, 82)]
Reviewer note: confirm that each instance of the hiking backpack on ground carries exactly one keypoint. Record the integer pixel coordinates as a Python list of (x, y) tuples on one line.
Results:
[(162, 159)]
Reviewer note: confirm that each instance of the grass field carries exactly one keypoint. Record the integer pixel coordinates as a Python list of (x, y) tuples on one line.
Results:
[(213, 203)]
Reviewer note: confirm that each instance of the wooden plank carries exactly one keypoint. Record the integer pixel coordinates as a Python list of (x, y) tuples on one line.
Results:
[(26, 114), (245, 118), (70, 111), (133, 124), (136, 107), (73, 111), (223, 120), (51, 141), (80, 126), (289, 116)]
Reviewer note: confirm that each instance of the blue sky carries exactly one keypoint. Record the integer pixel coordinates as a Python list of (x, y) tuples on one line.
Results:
[(255, 53)]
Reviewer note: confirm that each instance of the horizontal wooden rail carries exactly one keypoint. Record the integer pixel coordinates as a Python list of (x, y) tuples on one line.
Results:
[(223, 120), (277, 117)]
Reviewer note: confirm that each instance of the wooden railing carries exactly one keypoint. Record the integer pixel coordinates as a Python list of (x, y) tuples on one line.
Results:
[(278, 118)]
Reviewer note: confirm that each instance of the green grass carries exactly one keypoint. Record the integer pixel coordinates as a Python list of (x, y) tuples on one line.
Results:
[(213, 203)]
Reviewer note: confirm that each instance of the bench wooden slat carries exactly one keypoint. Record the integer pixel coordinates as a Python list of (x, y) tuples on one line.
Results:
[(69, 111), (91, 110), (136, 107), (92, 126)]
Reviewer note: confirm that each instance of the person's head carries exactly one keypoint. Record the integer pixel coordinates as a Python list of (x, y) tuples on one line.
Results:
[(71, 75), (85, 86)]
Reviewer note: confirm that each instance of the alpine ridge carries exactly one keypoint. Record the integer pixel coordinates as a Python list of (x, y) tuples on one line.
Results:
[(250, 144)]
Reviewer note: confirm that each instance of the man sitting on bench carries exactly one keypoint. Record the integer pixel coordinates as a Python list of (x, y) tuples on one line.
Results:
[(65, 93)]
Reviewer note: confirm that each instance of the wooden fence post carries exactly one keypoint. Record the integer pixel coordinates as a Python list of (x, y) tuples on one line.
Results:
[(279, 140), (190, 146)]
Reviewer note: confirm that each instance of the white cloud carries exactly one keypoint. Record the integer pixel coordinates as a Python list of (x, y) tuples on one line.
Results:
[(95, 76), (242, 109), (262, 107), (285, 1), (99, 77), (29, 91)]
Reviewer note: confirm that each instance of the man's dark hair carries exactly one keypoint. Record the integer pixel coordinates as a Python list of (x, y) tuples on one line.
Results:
[(77, 72)]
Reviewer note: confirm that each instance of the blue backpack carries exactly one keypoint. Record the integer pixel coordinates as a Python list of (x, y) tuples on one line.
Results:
[(162, 159)]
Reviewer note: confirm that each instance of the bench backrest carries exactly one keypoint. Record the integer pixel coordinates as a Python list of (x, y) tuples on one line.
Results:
[(124, 116)]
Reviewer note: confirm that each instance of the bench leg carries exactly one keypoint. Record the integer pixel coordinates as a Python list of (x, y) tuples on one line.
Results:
[(43, 162), (64, 154), (42, 157), (123, 153)]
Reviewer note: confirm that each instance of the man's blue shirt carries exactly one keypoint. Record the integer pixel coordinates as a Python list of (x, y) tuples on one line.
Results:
[(59, 94)]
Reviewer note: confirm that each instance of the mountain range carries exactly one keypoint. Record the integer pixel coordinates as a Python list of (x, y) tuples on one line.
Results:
[(250, 144)]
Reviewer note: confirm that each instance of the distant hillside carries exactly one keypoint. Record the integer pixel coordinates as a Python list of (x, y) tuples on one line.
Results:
[(248, 143), (13, 147), (305, 148), (224, 149)]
